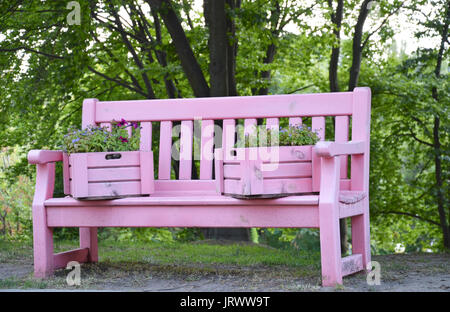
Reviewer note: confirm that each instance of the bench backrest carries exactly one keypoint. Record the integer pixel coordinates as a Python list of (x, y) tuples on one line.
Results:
[(347, 108)]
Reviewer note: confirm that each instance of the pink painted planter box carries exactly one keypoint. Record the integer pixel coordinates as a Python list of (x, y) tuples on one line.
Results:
[(264, 173), (108, 175)]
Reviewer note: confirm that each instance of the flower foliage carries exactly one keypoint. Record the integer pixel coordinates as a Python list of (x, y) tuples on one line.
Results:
[(100, 139), (284, 136)]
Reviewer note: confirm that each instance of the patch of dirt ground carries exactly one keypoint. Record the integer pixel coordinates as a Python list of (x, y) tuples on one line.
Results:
[(399, 273)]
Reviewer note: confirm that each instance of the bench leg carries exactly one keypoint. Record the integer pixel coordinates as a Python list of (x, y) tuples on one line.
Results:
[(88, 239), (42, 234), (361, 234), (42, 243), (330, 247)]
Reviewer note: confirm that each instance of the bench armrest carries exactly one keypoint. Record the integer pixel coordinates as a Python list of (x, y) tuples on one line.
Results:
[(331, 149), (44, 156)]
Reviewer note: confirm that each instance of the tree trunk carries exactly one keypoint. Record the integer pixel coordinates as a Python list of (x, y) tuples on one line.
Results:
[(336, 19), (265, 75), (357, 45), (222, 72), (187, 58), (232, 48), (436, 142), (218, 46)]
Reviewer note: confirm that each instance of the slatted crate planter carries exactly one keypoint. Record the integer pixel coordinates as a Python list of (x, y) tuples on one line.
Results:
[(249, 173), (108, 175)]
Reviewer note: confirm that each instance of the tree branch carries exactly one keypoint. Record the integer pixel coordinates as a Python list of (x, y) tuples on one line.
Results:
[(118, 81), (410, 215), (33, 51)]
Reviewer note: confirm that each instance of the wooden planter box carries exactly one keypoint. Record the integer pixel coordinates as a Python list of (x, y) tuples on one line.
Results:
[(248, 173), (108, 175)]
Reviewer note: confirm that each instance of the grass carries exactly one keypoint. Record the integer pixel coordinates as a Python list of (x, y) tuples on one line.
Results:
[(189, 261), (132, 265)]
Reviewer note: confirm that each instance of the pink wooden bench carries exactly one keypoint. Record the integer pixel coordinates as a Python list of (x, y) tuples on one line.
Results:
[(197, 203)]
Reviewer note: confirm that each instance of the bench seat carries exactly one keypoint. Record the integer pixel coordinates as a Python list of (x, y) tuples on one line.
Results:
[(193, 211)]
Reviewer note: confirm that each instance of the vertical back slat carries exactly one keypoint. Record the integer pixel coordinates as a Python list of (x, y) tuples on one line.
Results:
[(186, 139), (250, 130), (249, 125), (361, 131), (318, 125), (341, 135), (146, 137), (229, 130), (106, 125), (272, 123), (206, 149), (88, 116), (165, 150), (295, 121)]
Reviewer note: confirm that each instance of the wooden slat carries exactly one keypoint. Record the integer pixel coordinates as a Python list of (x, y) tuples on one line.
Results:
[(341, 135), (351, 210), (186, 140), (272, 123), (60, 260), (284, 170), (236, 107), (113, 188), (66, 174), (228, 137), (251, 181), (273, 186), (352, 264), (206, 149), (250, 130), (184, 187), (165, 150), (146, 172), (79, 175), (345, 185), (95, 160), (106, 125), (218, 168), (295, 121), (146, 136), (181, 215), (317, 124), (186, 200), (285, 154), (114, 174), (88, 117)]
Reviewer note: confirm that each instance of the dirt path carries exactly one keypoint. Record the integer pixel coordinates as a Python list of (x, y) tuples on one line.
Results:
[(410, 273)]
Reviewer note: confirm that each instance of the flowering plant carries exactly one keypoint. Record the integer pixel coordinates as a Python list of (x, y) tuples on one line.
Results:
[(100, 139), (292, 135)]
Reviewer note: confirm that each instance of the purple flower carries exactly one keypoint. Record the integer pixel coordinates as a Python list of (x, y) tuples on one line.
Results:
[(124, 140), (121, 123), (75, 140)]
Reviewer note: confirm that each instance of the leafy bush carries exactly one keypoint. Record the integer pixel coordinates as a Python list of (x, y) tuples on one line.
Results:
[(287, 136), (100, 139)]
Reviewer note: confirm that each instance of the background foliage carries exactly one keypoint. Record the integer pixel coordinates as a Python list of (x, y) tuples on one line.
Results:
[(137, 49)]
